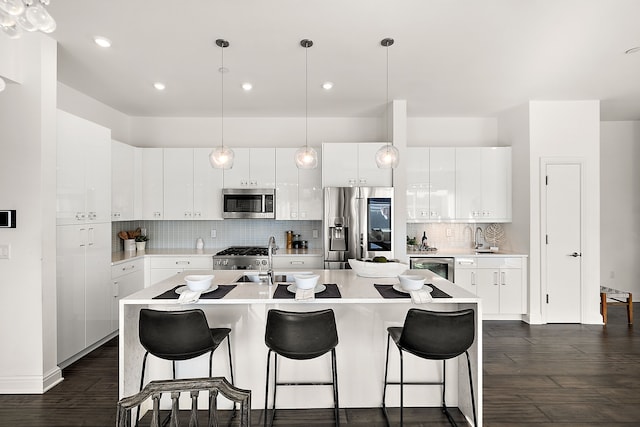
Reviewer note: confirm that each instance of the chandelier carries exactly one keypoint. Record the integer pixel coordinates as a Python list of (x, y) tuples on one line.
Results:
[(17, 16)]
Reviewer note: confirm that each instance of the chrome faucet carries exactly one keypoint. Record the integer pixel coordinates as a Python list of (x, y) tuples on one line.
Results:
[(271, 247), (477, 237)]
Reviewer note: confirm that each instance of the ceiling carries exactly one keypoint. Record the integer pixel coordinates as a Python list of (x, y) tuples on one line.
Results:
[(451, 58)]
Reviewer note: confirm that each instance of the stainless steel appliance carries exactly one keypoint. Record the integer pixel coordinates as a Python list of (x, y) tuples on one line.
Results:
[(358, 224), (248, 203), (241, 258), (444, 266)]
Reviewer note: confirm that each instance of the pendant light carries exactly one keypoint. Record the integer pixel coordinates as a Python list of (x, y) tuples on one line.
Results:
[(222, 157), (306, 157), (387, 156)]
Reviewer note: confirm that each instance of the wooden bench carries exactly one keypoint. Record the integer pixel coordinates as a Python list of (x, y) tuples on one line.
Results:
[(610, 296)]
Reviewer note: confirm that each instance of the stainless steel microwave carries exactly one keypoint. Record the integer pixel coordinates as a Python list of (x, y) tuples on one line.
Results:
[(248, 203)]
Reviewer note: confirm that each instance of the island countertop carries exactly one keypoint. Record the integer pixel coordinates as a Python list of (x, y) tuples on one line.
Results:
[(353, 289), (362, 318)]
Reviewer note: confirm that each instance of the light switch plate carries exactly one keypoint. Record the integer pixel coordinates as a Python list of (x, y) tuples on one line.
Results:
[(5, 251)]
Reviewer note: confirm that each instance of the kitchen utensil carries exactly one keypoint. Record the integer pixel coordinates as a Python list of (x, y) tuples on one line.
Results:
[(199, 282), (411, 282), (306, 281)]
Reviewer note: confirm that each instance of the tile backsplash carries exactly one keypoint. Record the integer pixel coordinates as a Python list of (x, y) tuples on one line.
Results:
[(453, 235), (236, 232)]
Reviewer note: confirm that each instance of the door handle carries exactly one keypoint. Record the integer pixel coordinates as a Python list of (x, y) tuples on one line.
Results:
[(576, 254)]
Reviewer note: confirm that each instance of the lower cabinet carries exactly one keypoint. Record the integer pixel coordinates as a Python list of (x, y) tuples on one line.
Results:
[(298, 262), (163, 267), (83, 291), (126, 278), (499, 281)]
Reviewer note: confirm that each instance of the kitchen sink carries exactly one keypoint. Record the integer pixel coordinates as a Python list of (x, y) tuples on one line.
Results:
[(262, 277)]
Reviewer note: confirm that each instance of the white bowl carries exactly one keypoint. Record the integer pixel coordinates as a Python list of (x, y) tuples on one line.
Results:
[(199, 282), (410, 282), (306, 281), (377, 269)]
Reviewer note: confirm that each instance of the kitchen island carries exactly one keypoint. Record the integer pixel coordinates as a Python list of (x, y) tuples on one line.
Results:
[(362, 317)]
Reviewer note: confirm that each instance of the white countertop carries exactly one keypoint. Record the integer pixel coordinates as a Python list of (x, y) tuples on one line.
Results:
[(118, 257), (353, 288), (461, 252)]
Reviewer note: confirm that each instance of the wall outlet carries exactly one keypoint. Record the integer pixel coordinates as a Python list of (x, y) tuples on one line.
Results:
[(612, 275), (5, 251), (214, 233), (449, 232), (314, 233)]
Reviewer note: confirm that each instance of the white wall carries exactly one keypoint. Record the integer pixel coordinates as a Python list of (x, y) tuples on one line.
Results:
[(620, 205), (81, 105), (452, 131), (10, 66), (28, 185), (568, 129)]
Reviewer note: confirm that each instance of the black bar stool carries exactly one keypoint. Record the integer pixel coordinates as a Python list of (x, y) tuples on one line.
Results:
[(300, 336), (179, 335), (433, 335)]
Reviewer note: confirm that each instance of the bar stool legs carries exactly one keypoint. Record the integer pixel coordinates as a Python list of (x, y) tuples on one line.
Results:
[(333, 383)]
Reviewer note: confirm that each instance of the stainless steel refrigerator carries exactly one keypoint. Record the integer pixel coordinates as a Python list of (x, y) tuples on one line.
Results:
[(358, 223)]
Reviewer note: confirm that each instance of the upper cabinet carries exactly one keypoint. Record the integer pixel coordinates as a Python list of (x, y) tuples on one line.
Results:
[(152, 183), (252, 168), (125, 185), (352, 164), (192, 188), (431, 184), (83, 171), (298, 191), (483, 184)]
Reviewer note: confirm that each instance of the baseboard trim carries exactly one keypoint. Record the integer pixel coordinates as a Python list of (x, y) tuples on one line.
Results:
[(31, 384), (86, 351)]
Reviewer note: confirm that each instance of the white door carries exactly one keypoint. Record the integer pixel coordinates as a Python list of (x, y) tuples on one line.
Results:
[(562, 242)]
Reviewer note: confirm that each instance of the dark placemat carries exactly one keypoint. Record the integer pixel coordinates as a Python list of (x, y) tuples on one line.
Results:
[(332, 291), (387, 291), (217, 294)]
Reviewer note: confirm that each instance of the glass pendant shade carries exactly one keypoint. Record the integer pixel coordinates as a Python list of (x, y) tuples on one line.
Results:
[(12, 7), (387, 157), (13, 31), (221, 157), (306, 158), (40, 18)]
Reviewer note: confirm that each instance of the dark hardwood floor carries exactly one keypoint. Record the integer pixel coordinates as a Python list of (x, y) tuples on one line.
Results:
[(552, 375)]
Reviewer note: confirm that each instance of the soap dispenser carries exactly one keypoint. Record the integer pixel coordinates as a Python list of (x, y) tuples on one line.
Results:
[(199, 243)]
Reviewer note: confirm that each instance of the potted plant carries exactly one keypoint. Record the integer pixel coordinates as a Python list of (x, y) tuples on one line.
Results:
[(141, 242)]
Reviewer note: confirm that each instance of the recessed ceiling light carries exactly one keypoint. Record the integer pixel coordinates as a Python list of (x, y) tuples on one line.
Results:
[(632, 50), (327, 85), (159, 85), (247, 86), (102, 41)]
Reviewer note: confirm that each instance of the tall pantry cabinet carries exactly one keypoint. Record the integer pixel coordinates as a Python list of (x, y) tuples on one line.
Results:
[(83, 234)]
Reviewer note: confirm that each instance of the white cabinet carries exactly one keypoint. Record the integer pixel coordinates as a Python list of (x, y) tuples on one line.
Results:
[(351, 164), (298, 262), (483, 184), (192, 188), (152, 183), (499, 281), (466, 273), (125, 185), (83, 171), (83, 286), (298, 191), (431, 184), (164, 267), (126, 278), (252, 168)]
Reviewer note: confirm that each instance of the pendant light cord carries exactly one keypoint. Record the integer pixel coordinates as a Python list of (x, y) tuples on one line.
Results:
[(222, 100), (306, 97), (387, 104)]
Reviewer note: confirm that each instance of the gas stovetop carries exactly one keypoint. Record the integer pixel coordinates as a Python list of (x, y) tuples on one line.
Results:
[(243, 251), (241, 258)]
